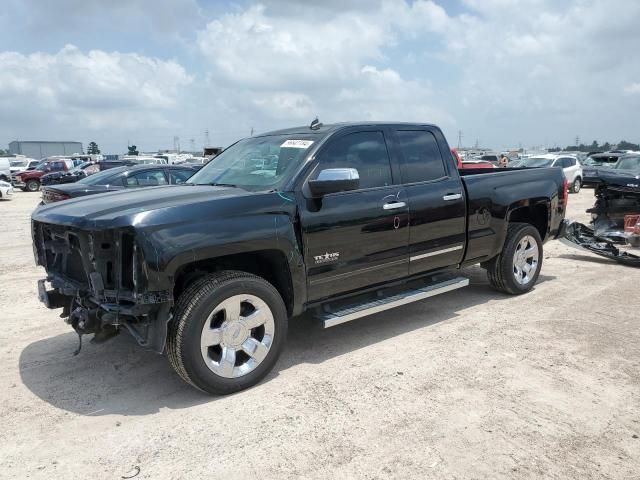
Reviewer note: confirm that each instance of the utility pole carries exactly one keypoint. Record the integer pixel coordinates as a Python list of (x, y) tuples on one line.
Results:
[(459, 138), (577, 140), (176, 144), (251, 132), (192, 144), (207, 142)]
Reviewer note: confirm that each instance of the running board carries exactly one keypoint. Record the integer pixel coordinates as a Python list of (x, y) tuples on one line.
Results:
[(349, 313)]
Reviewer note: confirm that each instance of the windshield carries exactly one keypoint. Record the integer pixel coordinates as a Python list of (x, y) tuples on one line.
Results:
[(102, 178), (80, 167), (18, 163), (628, 163), (601, 161), (257, 163), (536, 162)]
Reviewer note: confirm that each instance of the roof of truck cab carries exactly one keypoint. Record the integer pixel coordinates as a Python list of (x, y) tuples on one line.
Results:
[(332, 127)]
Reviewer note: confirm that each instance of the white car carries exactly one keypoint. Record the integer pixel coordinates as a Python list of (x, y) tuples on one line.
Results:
[(6, 190), (22, 165), (570, 167)]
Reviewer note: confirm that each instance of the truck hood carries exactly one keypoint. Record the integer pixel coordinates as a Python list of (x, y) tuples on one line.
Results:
[(138, 207)]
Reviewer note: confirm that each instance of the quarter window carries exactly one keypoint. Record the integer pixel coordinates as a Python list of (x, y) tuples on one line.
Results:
[(147, 179), (364, 151), (180, 176), (421, 158)]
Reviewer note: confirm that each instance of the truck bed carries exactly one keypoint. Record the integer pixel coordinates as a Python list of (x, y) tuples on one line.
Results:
[(491, 193)]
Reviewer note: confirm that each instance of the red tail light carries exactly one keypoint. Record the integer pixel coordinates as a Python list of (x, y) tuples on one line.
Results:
[(565, 192), (50, 197)]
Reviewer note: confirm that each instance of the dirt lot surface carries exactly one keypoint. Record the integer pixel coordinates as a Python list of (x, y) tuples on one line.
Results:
[(471, 384)]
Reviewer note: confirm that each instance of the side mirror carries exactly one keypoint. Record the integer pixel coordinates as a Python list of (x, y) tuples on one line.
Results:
[(333, 180)]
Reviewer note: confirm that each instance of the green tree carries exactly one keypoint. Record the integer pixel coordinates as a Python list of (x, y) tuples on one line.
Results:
[(594, 145), (93, 149), (133, 150), (624, 145)]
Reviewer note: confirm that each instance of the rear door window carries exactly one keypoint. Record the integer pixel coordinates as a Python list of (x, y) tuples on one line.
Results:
[(421, 158), (147, 179)]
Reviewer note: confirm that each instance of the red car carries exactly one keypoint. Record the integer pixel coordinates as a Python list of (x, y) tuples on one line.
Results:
[(470, 164), (29, 181)]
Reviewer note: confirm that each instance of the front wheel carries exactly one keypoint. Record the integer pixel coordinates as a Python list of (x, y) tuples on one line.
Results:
[(227, 333), (516, 269), (577, 184), (32, 186)]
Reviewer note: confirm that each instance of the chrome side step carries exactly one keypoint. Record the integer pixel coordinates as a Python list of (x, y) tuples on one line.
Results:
[(409, 296)]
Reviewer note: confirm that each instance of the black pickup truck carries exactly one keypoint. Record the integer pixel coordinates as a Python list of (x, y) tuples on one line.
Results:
[(340, 220)]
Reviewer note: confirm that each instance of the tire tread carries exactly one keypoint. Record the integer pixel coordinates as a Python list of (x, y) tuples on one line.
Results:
[(496, 267), (186, 303)]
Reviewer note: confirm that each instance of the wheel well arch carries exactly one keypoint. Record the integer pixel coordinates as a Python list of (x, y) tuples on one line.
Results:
[(536, 215), (271, 265)]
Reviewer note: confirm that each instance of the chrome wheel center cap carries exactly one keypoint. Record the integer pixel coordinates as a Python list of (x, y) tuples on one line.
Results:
[(234, 334)]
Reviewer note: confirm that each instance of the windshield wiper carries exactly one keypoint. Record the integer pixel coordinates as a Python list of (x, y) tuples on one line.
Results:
[(216, 184)]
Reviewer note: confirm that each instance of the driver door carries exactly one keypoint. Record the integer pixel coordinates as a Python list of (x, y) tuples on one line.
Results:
[(358, 238)]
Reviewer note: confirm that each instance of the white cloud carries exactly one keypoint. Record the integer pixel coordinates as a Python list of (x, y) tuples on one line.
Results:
[(501, 70), (632, 88), (94, 90), (323, 62)]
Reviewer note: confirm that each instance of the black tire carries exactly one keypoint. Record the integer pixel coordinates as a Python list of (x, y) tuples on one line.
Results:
[(191, 312), (500, 269), (576, 185), (32, 186)]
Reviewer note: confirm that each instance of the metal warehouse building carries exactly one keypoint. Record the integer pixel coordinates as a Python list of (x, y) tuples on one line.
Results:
[(36, 150)]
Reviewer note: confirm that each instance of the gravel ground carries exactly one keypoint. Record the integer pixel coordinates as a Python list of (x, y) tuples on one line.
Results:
[(471, 384)]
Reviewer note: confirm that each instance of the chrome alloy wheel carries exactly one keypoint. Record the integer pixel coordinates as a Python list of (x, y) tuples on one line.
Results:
[(237, 336), (525, 260)]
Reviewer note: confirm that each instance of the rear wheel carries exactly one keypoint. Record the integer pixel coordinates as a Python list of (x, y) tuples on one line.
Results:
[(576, 185), (228, 331), (516, 269), (32, 186)]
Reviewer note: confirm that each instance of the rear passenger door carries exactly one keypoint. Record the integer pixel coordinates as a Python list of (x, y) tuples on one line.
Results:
[(436, 197)]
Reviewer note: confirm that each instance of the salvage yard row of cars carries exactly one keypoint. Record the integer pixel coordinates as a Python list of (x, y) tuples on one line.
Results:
[(29, 175)]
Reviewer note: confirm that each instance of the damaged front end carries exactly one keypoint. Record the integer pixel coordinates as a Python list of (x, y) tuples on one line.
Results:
[(99, 279), (615, 227)]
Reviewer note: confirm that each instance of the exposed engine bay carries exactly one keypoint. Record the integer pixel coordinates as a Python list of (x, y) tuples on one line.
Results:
[(97, 278), (614, 231)]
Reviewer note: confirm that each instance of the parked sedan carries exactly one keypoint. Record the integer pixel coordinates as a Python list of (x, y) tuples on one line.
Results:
[(119, 178), (597, 162), (570, 167)]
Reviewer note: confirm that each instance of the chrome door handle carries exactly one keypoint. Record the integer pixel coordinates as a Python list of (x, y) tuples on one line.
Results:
[(452, 196), (394, 205)]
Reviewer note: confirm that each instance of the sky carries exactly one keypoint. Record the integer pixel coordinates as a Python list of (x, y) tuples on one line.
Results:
[(504, 73)]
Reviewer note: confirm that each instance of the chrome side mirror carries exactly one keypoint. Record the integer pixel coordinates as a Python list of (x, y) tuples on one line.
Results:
[(333, 180)]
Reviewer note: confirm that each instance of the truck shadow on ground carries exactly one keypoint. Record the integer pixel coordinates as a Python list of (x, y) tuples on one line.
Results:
[(119, 377)]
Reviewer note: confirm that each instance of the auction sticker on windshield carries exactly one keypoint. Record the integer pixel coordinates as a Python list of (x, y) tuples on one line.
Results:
[(297, 144)]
